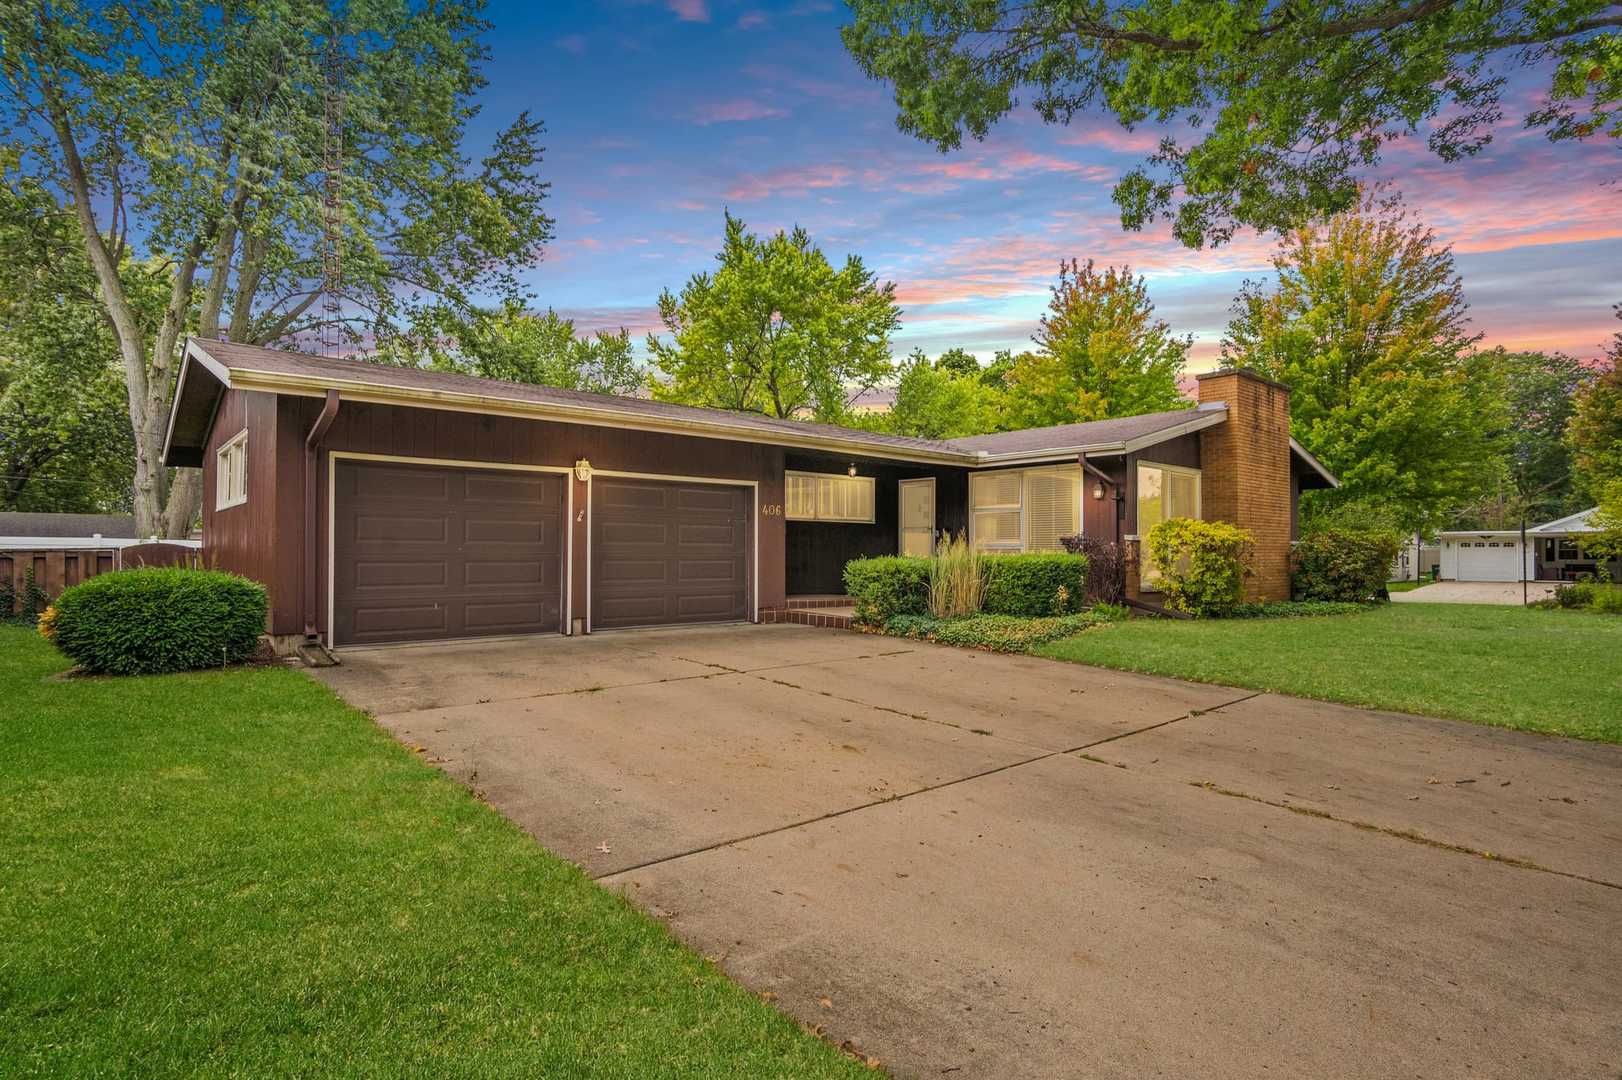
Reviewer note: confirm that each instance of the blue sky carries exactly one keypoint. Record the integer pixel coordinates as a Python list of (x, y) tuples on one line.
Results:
[(661, 113)]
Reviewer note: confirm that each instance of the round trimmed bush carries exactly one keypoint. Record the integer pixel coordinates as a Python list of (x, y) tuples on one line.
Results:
[(143, 622)]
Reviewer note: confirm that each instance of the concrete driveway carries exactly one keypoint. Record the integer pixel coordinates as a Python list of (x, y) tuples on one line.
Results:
[(1474, 592), (976, 865)]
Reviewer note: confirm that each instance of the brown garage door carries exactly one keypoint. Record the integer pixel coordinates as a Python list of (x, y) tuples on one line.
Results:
[(666, 552), (424, 552)]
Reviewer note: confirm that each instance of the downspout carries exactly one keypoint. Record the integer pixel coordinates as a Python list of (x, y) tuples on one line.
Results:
[(312, 442)]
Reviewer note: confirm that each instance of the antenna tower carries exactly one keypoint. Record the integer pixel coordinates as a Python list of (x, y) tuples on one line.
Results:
[(332, 198)]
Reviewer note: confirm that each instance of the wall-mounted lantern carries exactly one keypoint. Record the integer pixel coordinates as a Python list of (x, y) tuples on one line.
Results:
[(582, 470), (1098, 490), (852, 470)]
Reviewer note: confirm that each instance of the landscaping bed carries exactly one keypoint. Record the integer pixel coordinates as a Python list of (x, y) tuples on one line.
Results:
[(233, 873)]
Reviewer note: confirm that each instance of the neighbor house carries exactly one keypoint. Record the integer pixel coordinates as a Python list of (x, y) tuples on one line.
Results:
[(386, 504), (1553, 551)]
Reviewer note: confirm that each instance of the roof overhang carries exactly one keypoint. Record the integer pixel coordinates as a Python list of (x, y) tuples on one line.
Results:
[(1313, 463), (1202, 418), (1571, 525), (203, 381)]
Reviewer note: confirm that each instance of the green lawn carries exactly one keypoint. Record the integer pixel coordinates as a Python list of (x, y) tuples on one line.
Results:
[(1551, 671), (1406, 586), (231, 873)]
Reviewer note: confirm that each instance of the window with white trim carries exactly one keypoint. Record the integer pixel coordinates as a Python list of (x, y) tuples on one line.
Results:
[(1024, 509), (231, 472), (1164, 492), (828, 497)]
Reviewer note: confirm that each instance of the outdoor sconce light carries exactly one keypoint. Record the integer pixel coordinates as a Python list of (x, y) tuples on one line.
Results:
[(1098, 491), (582, 470), (852, 470)]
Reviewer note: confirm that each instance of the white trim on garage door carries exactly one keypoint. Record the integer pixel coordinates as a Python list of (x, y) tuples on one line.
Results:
[(754, 526), (333, 458), (1486, 558)]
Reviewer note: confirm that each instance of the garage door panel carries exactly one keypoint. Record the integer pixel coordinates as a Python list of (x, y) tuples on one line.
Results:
[(668, 552), (427, 551)]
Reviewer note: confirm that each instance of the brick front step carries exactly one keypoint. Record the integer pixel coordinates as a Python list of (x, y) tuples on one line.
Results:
[(808, 617)]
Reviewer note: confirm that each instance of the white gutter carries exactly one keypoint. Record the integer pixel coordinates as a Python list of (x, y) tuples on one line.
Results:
[(83, 543)]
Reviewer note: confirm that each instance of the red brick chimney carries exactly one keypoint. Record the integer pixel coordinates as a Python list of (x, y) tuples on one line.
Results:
[(1245, 471)]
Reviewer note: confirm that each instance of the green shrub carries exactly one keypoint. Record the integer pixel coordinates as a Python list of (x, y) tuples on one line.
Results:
[(1296, 609), (888, 585), (997, 633), (140, 622), (1034, 584), (1577, 594), (956, 579), (1202, 564), (1607, 599), (1601, 596), (1342, 564)]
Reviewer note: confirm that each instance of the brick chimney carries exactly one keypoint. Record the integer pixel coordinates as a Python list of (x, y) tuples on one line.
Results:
[(1245, 471)]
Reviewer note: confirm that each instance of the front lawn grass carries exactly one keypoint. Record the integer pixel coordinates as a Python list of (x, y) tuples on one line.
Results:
[(1558, 672), (1406, 586), (233, 873)]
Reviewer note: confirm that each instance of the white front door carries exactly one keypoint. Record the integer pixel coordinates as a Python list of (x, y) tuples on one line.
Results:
[(917, 516)]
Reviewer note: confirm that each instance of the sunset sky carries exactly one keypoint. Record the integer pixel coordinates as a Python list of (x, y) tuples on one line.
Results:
[(661, 113)]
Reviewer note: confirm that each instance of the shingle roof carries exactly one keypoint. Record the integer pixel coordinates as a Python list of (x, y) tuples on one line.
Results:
[(276, 369), (63, 525)]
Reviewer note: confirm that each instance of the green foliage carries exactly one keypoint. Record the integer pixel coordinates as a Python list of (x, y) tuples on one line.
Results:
[(65, 444), (1033, 584), (1342, 564), (888, 585), (1594, 434), (1269, 111), (1601, 596), (1607, 519), (1202, 564), (1025, 585), (1296, 609), (956, 578), (1100, 353), (957, 362), (184, 142), (775, 329), (998, 633), (518, 345), (1541, 391), (1367, 327), (154, 620), (23, 607), (942, 401)]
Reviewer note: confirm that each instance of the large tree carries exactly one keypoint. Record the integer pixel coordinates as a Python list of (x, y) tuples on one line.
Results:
[(64, 427), (1100, 352), (520, 345), (776, 329), (1268, 110), (1367, 326), (1595, 432), (189, 141), (1540, 395), (943, 399)]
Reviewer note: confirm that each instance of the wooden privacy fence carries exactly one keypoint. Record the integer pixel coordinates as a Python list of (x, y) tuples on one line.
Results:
[(57, 569)]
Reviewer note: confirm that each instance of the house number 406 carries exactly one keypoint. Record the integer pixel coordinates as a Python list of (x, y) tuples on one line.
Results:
[(772, 510)]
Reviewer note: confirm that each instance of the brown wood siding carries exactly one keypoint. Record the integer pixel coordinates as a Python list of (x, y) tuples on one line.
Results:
[(244, 538), (817, 551), (461, 436), (665, 552), (1183, 450)]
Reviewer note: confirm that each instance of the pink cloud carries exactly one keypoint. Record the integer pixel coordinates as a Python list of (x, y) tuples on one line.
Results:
[(794, 180), (729, 112), (752, 20), (1106, 136), (690, 10)]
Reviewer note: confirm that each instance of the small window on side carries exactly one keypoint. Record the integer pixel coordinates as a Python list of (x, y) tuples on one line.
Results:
[(231, 472)]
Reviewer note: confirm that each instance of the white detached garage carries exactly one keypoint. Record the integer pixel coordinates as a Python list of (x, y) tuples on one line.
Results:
[(1487, 556)]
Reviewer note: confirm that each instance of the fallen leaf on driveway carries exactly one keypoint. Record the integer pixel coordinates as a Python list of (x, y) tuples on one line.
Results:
[(826, 1003), (604, 848)]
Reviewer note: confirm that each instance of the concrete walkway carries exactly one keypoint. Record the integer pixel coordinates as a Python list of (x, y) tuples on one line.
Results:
[(1474, 592), (977, 865)]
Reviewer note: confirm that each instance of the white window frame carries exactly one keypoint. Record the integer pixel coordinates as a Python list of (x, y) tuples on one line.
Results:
[(1148, 573), (231, 472), (821, 479), (1022, 506)]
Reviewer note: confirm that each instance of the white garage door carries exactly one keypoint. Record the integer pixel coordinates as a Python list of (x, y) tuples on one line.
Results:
[(1488, 560)]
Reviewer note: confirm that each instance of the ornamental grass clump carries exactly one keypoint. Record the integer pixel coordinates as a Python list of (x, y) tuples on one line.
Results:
[(956, 579)]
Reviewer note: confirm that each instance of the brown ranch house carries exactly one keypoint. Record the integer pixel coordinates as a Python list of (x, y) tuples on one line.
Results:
[(382, 504)]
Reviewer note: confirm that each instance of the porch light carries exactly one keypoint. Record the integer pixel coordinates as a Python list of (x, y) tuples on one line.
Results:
[(1098, 490), (582, 470), (852, 470)]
